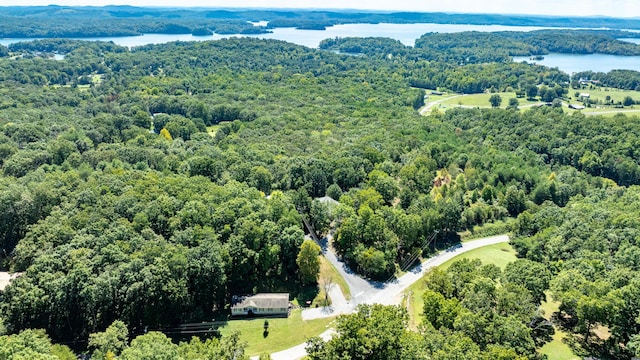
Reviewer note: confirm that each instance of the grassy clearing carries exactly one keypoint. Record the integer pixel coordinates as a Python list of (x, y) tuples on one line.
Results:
[(283, 333), (601, 93), (449, 101), (328, 271), (549, 306), (212, 130), (557, 349), (482, 100), (499, 254)]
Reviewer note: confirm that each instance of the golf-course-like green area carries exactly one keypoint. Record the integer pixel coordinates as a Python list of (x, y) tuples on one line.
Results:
[(598, 96)]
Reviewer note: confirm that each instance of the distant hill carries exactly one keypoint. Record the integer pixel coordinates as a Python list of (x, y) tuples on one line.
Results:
[(89, 21)]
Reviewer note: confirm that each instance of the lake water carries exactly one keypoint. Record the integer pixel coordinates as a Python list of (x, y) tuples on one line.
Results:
[(571, 63), (406, 33), (631, 40)]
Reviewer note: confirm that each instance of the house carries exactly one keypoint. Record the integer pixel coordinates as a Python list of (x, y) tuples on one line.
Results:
[(576, 107), (261, 304), (585, 95)]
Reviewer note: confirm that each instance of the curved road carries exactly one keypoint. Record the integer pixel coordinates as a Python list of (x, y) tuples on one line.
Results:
[(377, 293)]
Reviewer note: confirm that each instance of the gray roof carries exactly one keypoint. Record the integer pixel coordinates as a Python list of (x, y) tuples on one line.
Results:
[(265, 300)]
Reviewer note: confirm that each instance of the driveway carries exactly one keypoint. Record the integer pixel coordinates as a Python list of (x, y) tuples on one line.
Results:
[(386, 294)]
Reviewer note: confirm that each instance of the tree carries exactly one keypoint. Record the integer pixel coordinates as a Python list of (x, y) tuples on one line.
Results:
[(514, 200), (513, 103), (495, 100), (326, 282), (28, 344), (334, 191), (151, 346), (532, 91), (308, 261), (628, 101), (532, 275), (319, 217), (374, 332), (113, 340)]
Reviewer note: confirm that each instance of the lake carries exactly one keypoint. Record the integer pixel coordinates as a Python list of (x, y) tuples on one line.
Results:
[(571, 63), (406, 33)]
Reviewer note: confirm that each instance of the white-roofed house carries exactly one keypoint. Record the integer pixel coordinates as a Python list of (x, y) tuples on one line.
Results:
[(261, 304)]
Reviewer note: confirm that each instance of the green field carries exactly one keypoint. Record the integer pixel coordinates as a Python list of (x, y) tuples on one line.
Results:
[(498, 254), (601, 93), (283, 333), (556, 349), (212, 130), (481, 100), (450, 100)]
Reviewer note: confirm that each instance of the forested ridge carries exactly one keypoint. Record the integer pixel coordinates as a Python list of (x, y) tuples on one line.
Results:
[(142, 189), (90, 21)]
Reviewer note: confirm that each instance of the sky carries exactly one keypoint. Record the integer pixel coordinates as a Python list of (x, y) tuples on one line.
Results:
[(615, 8)]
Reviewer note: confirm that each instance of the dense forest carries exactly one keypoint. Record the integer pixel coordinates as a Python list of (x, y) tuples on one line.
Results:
[(141, 189), (473, 47)]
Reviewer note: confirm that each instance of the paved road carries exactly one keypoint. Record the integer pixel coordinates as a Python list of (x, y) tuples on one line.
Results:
[(390, 293), (357, 285), (339, 305)]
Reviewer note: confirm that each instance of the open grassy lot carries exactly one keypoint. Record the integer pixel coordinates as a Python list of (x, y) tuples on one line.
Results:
[(283, 333), (482, 100), (557, 349), (212, 130), (498, 254), (601, 93), (451, 100)]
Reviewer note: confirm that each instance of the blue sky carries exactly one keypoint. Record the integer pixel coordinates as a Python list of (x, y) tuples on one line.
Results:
[(617, 8)]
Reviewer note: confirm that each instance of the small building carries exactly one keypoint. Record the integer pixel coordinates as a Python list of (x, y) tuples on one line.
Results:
[(585, 95), (576, 107), (261, 304)]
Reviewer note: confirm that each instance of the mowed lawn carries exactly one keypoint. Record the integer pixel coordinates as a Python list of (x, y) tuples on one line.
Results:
[(556, 349), (283, 333), (482, 100), (601, 93), (450, 100), (292, 331), (498, 254)]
